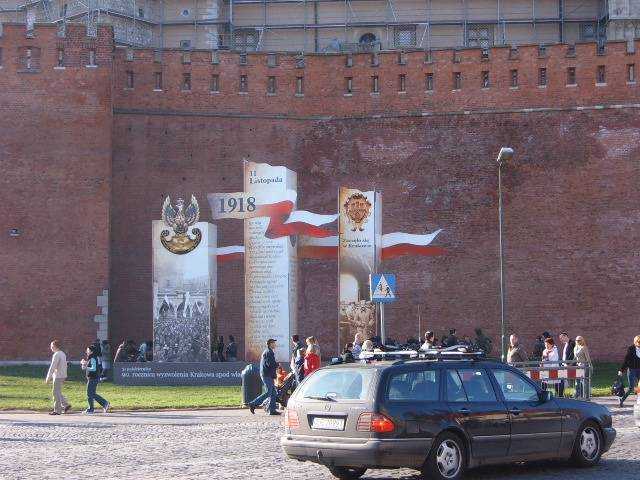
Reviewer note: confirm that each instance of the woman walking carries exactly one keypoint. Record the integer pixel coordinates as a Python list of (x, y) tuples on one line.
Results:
[(93, 369), (583, 359), (631, 365)]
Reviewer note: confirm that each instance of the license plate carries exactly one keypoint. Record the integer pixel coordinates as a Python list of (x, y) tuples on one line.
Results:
[(324, 423)]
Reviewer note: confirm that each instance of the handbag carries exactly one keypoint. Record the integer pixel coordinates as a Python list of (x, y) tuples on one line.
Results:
[(617, 388)]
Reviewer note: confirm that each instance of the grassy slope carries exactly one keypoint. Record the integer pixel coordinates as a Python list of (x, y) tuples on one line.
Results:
[(23, 387)]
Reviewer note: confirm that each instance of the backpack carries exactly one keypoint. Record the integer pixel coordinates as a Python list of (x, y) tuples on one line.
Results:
[(617, 389)]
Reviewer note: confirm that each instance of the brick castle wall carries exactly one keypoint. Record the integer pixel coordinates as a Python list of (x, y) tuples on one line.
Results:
[(215, 88), (570, 197), (55, 151)]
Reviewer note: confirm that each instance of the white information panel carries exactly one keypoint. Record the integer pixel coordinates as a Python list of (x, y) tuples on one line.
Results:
[(271, 265)]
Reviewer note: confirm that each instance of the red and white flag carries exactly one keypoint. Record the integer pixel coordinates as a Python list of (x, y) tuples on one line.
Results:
[(393, 245), (315, 241)]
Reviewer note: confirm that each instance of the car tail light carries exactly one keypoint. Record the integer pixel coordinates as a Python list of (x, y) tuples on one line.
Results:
[(291, 419), (374, 422)]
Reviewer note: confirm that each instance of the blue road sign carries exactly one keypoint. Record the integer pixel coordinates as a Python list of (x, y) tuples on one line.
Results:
[(382, 287)]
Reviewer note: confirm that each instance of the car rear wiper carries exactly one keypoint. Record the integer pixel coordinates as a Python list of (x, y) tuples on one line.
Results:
[(326, 398)]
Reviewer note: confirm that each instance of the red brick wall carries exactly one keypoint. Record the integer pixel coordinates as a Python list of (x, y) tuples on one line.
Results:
[(570, 201), (55, 151), (571, 197), (570, 212)]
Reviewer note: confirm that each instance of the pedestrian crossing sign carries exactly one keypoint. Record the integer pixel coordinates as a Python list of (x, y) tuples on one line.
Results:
[(383, 287)]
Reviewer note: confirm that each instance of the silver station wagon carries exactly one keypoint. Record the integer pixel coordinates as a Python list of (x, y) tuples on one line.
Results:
[(437, 416)]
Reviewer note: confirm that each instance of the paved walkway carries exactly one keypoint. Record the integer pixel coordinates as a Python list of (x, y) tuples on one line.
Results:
[(223, 444)]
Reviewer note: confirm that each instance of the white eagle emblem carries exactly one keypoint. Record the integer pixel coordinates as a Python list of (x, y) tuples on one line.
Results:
[(180, 219)]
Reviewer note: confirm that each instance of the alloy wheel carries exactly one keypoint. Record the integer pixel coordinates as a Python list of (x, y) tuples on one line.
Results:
[(448, 458), (589, 443)]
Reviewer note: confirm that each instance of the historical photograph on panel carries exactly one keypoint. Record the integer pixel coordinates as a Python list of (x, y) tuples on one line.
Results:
[(184, 283)]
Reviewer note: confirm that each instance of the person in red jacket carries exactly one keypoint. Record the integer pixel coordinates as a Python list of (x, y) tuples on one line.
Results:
[(311, 360)]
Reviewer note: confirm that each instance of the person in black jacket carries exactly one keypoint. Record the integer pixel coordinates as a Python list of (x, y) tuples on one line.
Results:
[(632, 366), (566, 354), (93, 370), (268, 373), (297, 358)]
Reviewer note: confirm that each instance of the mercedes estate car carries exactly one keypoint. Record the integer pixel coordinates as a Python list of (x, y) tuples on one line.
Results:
[(441, 417)]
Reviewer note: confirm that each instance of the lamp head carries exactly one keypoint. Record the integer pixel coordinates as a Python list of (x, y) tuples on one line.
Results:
[(505, 155)]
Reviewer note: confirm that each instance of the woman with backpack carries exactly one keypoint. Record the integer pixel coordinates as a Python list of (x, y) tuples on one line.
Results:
[(93, 370), (631, 365)]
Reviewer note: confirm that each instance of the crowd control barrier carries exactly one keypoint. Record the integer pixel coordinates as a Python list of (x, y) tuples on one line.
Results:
[(556, 376)]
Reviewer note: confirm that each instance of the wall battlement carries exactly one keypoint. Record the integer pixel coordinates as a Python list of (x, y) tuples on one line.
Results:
[(383, 84), (410, 83)]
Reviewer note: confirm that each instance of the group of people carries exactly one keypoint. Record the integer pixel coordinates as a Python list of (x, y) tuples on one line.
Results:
[(305, 359), (224, 353), (92, 366), (128, 352), (546, 351)]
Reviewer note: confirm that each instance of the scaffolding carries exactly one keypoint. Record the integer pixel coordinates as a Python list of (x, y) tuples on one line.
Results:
[(363, 25), (333, 26)]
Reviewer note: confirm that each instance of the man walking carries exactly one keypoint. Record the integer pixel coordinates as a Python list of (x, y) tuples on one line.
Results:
[(58, 373), (516, 353), (568, 345), (268, 373)]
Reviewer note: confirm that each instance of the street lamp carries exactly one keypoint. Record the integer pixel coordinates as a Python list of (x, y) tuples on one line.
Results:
[(505, 155)]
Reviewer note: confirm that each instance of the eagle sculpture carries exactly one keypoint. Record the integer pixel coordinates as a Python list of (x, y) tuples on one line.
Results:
[(180, 219)]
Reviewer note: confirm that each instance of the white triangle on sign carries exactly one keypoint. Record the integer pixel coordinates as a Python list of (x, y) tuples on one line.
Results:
[(383, 290)]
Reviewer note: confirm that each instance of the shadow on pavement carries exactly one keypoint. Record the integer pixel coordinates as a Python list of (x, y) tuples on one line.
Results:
[(615, 469)]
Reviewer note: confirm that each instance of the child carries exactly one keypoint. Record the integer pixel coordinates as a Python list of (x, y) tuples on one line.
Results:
[(93, 368), (280, 376)]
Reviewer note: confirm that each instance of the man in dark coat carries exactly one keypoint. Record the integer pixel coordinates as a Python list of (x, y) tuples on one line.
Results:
[(451, 340), (566, 354), (268, 373)]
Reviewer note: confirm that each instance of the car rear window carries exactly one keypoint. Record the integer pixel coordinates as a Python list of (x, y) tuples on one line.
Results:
[(338, 383), (419, 385)]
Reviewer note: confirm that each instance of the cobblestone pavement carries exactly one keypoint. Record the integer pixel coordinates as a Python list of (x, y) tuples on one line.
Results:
[(223, 444)]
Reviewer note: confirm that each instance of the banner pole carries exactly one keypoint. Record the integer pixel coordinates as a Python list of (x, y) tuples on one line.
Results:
[(382, 329)]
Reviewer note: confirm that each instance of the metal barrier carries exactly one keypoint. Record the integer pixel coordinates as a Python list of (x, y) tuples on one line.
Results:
[(559, 375)]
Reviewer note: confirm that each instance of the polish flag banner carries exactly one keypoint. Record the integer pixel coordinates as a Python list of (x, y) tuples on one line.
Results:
[(315, 241), (284, 221), (398, 244), (393, 245), (310, 247), (227, 254)]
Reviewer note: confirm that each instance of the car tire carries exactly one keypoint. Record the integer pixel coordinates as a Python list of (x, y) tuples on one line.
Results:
[(346, 473), (447, 459), (587, 447)]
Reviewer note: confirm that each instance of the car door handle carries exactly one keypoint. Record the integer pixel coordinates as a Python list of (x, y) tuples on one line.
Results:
[(464, 411), (515, 411)]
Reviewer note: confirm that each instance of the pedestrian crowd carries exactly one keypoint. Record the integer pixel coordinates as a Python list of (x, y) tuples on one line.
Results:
[(306, 359)]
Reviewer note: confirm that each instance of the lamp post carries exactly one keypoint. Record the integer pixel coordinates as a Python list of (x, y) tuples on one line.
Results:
[(505, 155)]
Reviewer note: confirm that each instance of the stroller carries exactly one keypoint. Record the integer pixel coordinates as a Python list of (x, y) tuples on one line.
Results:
[(283, 392)]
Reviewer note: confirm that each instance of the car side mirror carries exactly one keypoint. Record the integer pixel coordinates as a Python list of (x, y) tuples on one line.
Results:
[(545, 396)]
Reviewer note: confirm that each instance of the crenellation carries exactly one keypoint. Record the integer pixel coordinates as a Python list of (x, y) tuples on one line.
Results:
[(461, 80)]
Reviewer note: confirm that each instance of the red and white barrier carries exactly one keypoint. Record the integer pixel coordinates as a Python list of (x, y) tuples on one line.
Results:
[(554, 373)]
